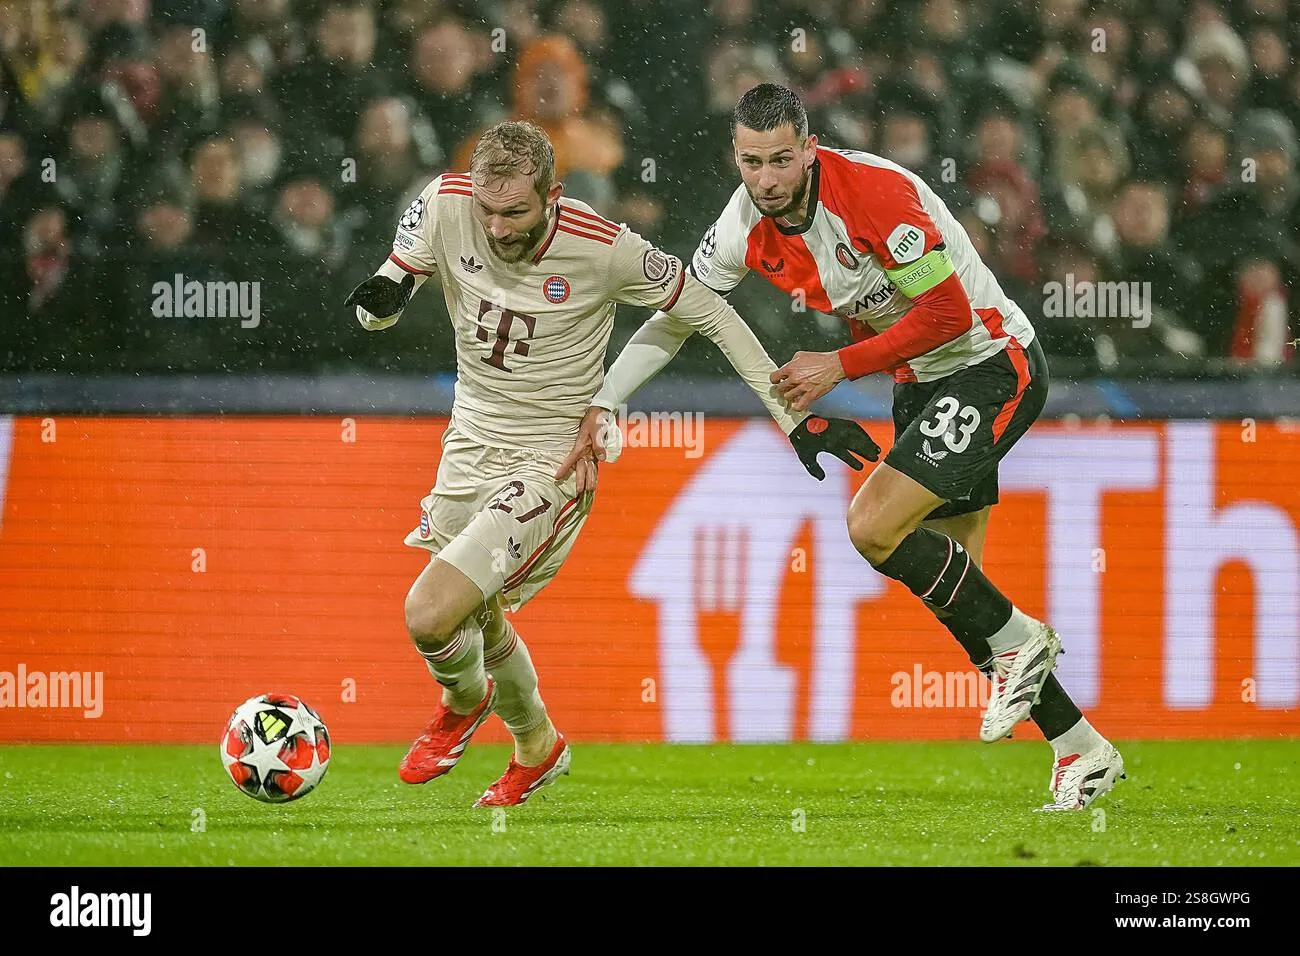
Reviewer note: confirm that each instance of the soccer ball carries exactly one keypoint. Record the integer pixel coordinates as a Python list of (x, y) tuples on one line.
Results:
[(275, 748)]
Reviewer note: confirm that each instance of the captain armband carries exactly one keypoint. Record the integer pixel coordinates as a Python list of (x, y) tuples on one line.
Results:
[(924, 274)]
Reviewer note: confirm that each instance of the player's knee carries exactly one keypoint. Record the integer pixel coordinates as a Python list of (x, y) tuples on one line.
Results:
[(494, 626), (874, 537), (431, 627)]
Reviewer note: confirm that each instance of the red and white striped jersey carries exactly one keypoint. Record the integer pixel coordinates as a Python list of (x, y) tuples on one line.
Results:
[(865, 215)]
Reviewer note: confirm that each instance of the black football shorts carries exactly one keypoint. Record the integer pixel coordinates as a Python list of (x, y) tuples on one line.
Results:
[(949, 435)]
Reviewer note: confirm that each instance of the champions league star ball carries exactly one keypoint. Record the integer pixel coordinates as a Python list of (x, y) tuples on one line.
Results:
[(275, 748)]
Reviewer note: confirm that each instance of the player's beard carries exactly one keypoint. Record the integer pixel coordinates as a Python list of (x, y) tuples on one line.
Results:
[(522, 245), (790, 208)]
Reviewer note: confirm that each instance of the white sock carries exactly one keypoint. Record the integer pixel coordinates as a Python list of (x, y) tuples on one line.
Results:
[(1079, 739), (458, 667), (518, 703), (1014, 633)]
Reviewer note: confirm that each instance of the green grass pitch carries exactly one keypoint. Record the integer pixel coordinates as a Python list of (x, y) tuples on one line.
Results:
[(1184, 803)]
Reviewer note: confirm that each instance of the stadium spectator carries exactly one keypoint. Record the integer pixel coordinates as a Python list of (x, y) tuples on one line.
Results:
[(1246, 239), (1088, 166), (190, 103), (314, 243), (95, 169), (1205, 153), (226, 225), (392, 166), (446, 61), (329, 88), (1270, 57), (18, 182), (551, 90), (62, 328), (1219, 68), (1162, 114), (1167, 283)]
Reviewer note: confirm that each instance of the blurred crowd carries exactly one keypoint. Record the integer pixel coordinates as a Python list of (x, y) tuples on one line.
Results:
[(1082, 144)]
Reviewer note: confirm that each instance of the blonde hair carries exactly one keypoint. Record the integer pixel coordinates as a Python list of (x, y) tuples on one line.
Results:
[(515, 146)]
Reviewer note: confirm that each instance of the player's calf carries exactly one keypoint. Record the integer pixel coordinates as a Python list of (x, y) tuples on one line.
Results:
[(519, 704), (441, 622), (443, 627)]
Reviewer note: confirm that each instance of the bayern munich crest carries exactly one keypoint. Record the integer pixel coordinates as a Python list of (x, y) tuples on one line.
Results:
[(425, 530), (556, 289)]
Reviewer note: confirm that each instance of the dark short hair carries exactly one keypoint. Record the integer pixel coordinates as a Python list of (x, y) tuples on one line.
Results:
[(767, 106)]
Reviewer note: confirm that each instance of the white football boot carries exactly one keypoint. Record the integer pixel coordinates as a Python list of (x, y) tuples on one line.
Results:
[(1079, 779), (1018, 677)]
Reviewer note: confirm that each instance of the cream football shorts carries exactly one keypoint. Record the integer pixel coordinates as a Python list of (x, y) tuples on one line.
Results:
[(498, 516)]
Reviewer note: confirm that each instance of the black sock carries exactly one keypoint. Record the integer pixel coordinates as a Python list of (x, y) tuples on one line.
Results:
[(941, 573), (1055, 713)]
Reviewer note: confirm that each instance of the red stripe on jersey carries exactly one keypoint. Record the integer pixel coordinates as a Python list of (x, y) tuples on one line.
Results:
[(594, 230), (449, 176), (555, 222), (592, 220), (585, 235), (1021, 364), (566, 512), (677, 294), (786, 262), (418, 272), (872, 201), (454, 191), (992, 320)]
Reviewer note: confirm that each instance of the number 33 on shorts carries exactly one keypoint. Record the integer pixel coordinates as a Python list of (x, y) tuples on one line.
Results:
[(953, 421)]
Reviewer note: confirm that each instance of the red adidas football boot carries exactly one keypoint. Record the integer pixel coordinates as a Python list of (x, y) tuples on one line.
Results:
[(519, 783), (439, 748)]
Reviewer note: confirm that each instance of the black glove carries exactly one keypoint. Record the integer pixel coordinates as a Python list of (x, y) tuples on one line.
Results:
[(381, 296), (839, 436)]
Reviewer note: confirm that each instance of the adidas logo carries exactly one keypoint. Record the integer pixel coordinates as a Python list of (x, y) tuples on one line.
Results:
[(469, 265), (514, 548)]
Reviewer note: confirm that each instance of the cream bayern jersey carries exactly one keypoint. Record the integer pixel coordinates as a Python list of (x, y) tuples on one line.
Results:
[(866, 214), (531, 336)]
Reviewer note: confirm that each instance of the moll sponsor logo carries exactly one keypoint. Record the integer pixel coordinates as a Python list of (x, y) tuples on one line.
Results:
[(869, 300)]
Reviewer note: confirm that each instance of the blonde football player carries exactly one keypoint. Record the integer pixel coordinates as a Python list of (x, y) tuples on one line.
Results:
[(530, 282)]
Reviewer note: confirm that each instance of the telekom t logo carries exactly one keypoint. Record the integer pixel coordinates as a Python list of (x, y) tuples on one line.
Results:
[(505, 321)]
